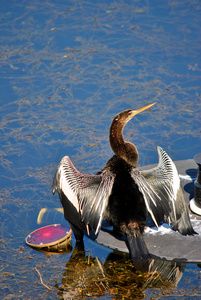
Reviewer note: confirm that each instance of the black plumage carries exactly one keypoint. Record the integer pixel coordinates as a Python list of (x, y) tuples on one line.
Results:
[(122, 194)]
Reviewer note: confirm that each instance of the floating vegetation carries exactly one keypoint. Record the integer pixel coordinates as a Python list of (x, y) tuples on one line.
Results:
[(66, 69)]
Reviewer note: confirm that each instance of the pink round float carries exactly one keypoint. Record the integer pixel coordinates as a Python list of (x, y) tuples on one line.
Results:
[(51, 238)]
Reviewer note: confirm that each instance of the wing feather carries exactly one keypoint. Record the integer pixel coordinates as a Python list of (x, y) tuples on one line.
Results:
[(151, 198), (163, 194), (89, 194), (165, 179)]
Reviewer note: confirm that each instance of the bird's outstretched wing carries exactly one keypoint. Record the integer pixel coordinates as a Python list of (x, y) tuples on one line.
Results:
[(87, 193), (163, 194)]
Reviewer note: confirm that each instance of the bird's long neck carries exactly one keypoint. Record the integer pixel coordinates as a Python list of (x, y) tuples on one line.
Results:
[(125, 150)]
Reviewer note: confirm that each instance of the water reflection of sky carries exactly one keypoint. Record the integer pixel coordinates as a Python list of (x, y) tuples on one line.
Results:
[(67, 67)]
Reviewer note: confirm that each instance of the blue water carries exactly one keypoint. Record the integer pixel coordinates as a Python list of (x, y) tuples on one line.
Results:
[(67, 67)]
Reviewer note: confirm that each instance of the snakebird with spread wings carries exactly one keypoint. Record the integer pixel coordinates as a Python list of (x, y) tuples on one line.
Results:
[(122, 194)]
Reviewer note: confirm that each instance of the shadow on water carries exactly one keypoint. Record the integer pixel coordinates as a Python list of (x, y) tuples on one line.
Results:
[(117, 277), (67, 67)]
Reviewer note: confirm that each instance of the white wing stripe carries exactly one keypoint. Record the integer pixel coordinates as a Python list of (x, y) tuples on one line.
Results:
[(65, 186)]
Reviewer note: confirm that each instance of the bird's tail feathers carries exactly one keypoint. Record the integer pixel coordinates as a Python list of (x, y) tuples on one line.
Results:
[(140, 255), (137, 247)]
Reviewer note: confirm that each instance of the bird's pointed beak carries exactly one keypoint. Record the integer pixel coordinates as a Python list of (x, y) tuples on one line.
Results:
[(135, 112)]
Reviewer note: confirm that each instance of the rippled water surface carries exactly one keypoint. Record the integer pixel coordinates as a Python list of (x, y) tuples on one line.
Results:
[(67, 67)]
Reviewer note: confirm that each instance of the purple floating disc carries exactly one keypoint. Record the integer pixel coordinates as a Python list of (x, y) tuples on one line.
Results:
[(48, 236)]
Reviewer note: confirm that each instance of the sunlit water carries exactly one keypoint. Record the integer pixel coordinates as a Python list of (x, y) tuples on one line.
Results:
[(67, 67)]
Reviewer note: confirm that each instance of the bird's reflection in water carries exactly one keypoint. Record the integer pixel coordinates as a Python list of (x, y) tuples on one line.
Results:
[(118, 277)]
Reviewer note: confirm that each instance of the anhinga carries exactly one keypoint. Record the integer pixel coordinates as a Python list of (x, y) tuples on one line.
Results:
[(122, 194)]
